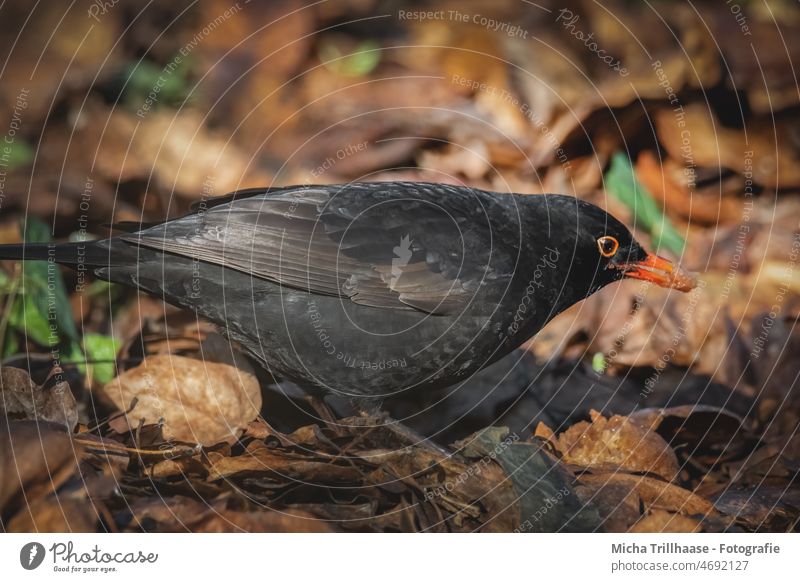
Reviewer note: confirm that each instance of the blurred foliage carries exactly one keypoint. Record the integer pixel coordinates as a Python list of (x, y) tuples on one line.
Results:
[(146, 82), (362, 61), (102, 351)]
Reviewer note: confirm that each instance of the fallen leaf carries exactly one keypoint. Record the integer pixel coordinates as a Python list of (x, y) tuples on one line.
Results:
[(653, 493), (203, 402), (618, 441), (618, 504), (77, 50), (470, 160), (768, 152), (761, 67), (55, 514), (660, 521), (173, 148), (701, 427), (180, 514), (21, 398), (762, 508), (35, 459), (261, 459)]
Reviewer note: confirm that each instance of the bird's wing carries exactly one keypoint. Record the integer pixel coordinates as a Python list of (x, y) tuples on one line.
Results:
[(391, 248)]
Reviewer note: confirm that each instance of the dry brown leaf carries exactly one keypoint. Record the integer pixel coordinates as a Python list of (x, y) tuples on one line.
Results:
[(774, 155), (258, 47), (259, 458), (764, 507), (264, 520), (35, 459), (174, 149), (580, 99), (761, 60), (21, 398), (175, 514), (544, 432), (76, 50), (660, 521), (638, 324), (199, 401), (653, 492), (776, 459), (617, 503), (470, 160), (55, 515), (617, 441), (477, 490)]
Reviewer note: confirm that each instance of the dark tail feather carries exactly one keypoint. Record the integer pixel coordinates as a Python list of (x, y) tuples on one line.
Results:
[(88, 254)]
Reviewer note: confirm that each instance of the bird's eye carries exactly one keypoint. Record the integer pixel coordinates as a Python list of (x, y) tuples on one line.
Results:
[(608, 245)]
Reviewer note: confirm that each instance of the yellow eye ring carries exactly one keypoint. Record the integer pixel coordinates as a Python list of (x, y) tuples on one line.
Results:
[(608, 245)]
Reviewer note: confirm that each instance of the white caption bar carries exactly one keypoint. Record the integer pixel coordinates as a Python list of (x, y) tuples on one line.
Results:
[(351, 557)]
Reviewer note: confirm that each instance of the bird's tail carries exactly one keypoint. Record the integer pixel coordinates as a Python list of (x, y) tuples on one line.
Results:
[(89, 254)]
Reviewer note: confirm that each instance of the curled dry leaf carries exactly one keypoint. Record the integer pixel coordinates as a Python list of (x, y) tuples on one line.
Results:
[(23, 399), (617, 441), (202, 402)]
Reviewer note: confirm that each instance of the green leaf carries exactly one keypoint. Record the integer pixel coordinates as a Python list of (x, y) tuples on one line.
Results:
[(101, 347), (361, 62), (26, 317), (6, 283), (146, 82), (599, 363), (42, 310), (621, 181), (19, 153)]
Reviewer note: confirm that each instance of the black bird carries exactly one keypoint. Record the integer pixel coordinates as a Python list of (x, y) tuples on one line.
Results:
[(368, 289)]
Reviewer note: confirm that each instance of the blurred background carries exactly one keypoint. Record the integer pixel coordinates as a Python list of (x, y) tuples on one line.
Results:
[(682, 119)]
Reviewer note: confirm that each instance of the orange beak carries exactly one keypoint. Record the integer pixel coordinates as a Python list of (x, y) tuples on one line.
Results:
[(662, 272)]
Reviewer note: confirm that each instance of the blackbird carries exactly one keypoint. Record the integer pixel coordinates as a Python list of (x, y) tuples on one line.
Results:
[(369, 289)]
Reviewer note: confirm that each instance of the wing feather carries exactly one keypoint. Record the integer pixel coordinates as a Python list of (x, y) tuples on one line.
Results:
[(383, 248)]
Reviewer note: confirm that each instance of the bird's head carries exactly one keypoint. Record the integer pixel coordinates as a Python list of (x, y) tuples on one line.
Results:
[(603, 250)]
